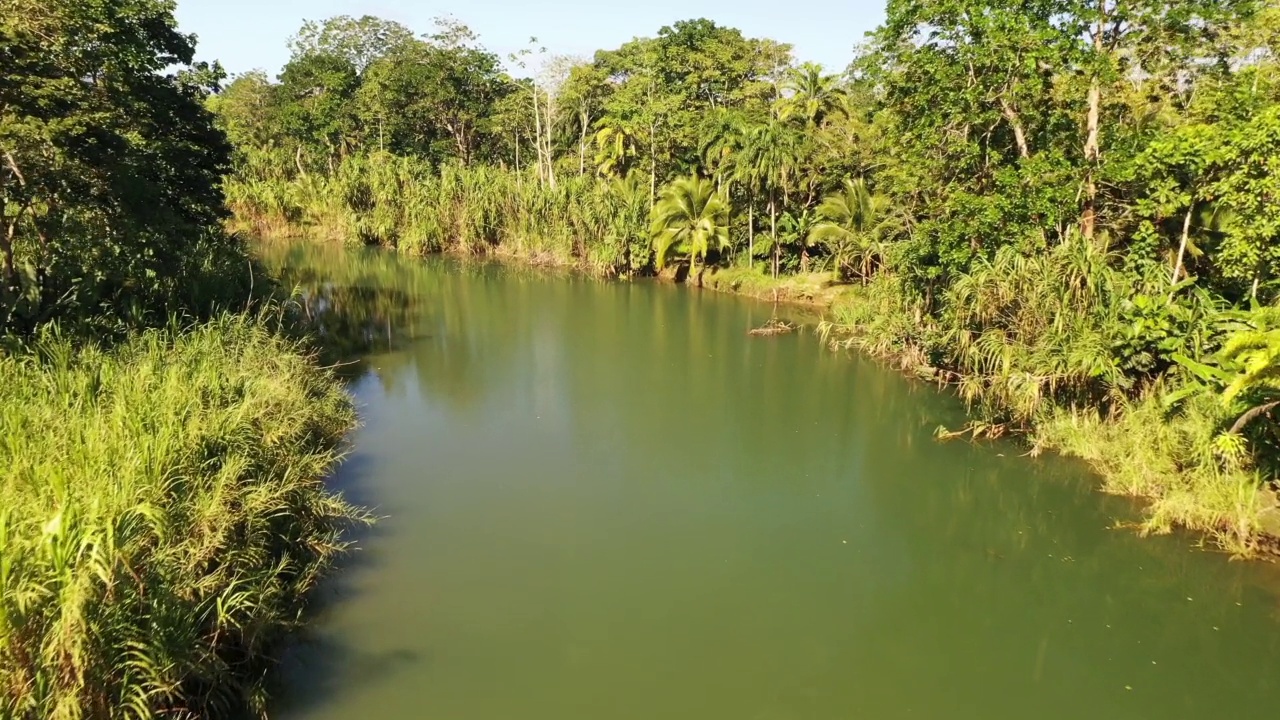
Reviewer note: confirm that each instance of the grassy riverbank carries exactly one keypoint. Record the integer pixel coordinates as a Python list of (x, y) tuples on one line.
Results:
[(162, 517), (163, 447), (1174, 459)]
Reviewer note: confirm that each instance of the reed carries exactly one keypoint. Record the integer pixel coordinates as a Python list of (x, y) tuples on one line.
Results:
[(163, 516)]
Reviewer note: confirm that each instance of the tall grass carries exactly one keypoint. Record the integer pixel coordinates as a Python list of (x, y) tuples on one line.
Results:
[(1144, 450), (408, 204), (162, 516), (1026, 330)]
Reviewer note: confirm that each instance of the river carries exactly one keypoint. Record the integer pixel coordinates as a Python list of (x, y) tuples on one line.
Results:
[(604, 501)]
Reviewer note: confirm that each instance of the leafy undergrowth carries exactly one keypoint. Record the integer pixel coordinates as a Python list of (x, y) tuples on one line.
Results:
[(163, 515)]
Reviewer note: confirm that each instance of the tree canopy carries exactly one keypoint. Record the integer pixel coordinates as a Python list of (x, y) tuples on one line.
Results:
[(110, 165)]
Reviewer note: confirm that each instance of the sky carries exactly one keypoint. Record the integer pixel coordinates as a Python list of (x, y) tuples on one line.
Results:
[(252, 34)]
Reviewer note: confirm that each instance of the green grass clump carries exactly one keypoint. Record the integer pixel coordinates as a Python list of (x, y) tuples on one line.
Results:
[(819, 288), (162, 516), (1170, 458)]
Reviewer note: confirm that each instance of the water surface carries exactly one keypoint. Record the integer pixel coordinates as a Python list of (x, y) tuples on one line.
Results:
[(606, 501)]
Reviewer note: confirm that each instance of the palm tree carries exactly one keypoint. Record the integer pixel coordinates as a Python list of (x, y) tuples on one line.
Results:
[(770, 157), (689, 219), (721, 138), (750, 177), (850, 219), (814, 95), (798, 227), (616, 147), (1245, 373)]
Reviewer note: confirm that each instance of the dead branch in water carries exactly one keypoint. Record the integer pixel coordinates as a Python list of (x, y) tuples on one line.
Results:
[(773, 327)]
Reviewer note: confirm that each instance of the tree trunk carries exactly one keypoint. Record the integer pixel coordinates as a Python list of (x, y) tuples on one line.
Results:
[(1019, 136), (653, 163), (297, 160), (537, 132), (1092, 147), (627, 254), (549, 123), (1182, 248), (6, 247), (9, 281), (773, 231), (751, 232), (582, 145)]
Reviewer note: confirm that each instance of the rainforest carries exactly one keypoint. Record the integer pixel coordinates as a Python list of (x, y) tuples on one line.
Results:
[(471, 312)]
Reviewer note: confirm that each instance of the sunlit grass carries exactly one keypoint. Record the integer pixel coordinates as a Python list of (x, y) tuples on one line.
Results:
[(1144, 450), (162, 516), (415, 207)]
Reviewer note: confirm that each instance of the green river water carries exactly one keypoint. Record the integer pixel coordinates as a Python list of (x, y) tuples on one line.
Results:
[(605, 501)]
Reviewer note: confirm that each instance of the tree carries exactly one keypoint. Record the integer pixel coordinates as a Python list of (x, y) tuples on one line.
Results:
[(721, 137), (814, 95), (1247, 189), (1161, 42), (770, 158), (796, 227), (987, 150), (848, 223), (247, 110), (690, 219), (1174, 173), (547, 91), (584, 93), (359, 41), (434, 97), (317, 108), (466, 83), (616, 148), (663, 87), (629, 202), (110, 164), (394, 100), (1244, 374)]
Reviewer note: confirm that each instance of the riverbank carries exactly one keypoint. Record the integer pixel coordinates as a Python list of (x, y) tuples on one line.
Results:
[(1139, 448), (163, 517)]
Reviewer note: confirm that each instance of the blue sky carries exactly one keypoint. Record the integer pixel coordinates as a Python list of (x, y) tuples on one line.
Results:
[(251, 34)]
